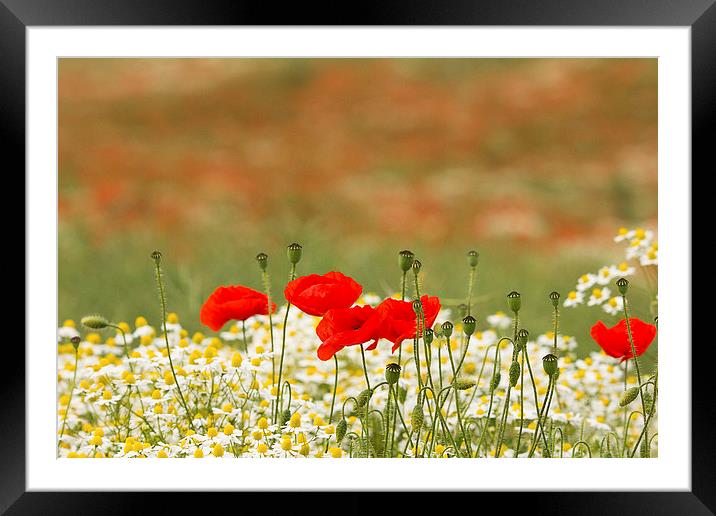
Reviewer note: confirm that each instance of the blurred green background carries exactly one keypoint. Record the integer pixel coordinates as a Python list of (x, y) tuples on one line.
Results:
[(533, 162)]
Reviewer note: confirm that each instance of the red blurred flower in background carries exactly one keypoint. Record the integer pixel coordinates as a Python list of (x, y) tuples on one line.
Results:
[(315, 294), (233, 303), (615, 340)]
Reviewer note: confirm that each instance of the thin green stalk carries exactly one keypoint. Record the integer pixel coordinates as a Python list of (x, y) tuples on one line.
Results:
[(333, 400), (69, 402), (292, 276)]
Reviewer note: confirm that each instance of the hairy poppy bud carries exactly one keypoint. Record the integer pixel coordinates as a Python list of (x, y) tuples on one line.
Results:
[(495, 381), (522, 337), (428, 336), (629, 396), (513, 300), (417, 417), (363, 397), (405, 260), (294, 253), (623, 286), (416, 266), (514, 372), (644, 450), (438, 330), (392, 373), (462, 384), (472, 258), (75, 342), (549, 364), (468, 325), (447, 328), (648, 402), (285, 417), (554, 297), (95, 322), (341, 429), (262, 258)]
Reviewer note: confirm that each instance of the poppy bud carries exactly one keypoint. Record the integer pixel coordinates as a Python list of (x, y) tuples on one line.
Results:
[(554, 297), (341, 429), (428, 336), (417, 417), (392, 373), (416, 266), (447, 328), (623, 286), (549, 364), (462, 384), (648, 401), (438, 330), (513, 300), (468, 325), (156, 255), (472, 258), (417, 306), (94, 322), (522, 337), (495, 381), (363, 397), (629, 396), (644, 450), (285, 417), (75, 342), (405, 260), (514, 372), (294, 253), (262, 258)]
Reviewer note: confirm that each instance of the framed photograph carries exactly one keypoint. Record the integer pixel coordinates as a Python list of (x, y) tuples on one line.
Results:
[(420, 252)]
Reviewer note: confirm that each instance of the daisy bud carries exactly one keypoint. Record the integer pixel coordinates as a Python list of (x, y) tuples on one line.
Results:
[(341, 429), (417, 417), (75, 342), (623, 286), (392, 373), (549, 364), (405, 260), (629, 396), (156, 255), (522, 337), (294, 253), (416, 266), (554, 297), (94, 322), (495, 381), (428, 336), (513, 300), (363, 398), (462, 384), (262, 258), (447, 328), (472, 258), (514, 372), (468, 325)]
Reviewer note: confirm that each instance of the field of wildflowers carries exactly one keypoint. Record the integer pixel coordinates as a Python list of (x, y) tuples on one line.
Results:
[(324, 369)]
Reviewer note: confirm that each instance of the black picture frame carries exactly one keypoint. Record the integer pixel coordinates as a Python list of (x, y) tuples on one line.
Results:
[(699, 15)]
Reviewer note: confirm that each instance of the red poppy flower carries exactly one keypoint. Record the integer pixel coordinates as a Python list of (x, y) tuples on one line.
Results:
[(398, 320), (233, 303), (346, 327), (615, 340), (315, 294)]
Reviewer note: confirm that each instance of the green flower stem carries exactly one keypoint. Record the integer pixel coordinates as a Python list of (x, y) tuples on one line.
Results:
[(291, 277), (636, 360), (492, 397), (333, 400), (163, 299), (69, 402), (522, 404), (457, 400), (541, 418), (626, 411), (471, 284)]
